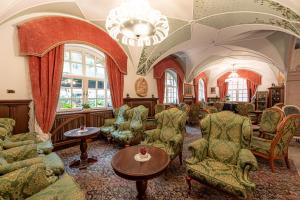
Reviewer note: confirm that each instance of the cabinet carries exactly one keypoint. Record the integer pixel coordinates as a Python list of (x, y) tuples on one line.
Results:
[(276, 95), (261, 100)]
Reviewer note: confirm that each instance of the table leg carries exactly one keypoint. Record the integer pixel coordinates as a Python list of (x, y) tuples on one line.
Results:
[(83, 149), (141, 187)]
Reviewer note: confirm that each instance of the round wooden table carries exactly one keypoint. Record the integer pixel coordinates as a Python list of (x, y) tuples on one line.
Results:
[(84, 160), (125, 166)]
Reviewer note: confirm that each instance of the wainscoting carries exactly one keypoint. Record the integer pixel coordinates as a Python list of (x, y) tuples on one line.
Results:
[(147, 102), (17, 110), (71, 120)]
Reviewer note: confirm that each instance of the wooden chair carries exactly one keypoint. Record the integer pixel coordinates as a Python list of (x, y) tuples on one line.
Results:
[(277, 148)]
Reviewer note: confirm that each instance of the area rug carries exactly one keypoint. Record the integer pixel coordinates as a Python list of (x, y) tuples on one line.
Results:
[(101, 183)]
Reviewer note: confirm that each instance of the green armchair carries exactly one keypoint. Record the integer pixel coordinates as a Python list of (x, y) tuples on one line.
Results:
[(221, 158), (10, 140), (277, 148), (169, 133), (131, 132), (110, 124)]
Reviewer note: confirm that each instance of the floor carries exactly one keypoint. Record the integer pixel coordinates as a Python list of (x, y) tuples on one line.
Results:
[(294, 154), (101, 183)]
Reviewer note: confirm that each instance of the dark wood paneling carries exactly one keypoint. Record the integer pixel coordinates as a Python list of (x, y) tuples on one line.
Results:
[(189, 100), (17, 110), (147, 102), (71, 120)]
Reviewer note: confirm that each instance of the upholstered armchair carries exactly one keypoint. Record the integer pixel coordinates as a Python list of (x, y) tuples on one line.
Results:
[(221, 158), (26, 155), (277, 148), (207, 110), (244, 109), (184, 107), (219, 106), (111, 124), (169, 133), (10, 140), (290, 109), (159, 108), (131, 132), (270, 119), (193, 117)]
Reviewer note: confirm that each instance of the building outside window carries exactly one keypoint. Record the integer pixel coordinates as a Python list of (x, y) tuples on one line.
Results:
[(84, 79), (201, 91), (237, 90), (171, 87)]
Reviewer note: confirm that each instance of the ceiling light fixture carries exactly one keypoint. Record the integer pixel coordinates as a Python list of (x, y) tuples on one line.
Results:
[(135, 23), (234, 75)]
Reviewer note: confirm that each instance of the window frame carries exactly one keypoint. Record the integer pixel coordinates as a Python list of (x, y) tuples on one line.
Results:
[(173, 86), (238, 89), (85, 51)]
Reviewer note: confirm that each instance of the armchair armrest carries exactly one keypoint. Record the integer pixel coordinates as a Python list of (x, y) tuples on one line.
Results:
[(19, 153), (25, 136), (109, 122), (246, 162), (9, 144), (199, 151), (152, 135), (123, 126), (4, 169), (247, 158), (177, 139)]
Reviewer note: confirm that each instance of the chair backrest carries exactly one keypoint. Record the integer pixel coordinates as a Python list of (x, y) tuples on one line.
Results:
[(159, 108), (120, 113), (137, 116), (171, 122), (226, 133), (284, 134), (245, 108), (219, 106), (270, 119), (279, 105), (184, 107), (6, 127), (290, 109), (195, 109)]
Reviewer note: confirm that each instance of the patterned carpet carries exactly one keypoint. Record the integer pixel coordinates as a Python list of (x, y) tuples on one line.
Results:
[(100, 182)]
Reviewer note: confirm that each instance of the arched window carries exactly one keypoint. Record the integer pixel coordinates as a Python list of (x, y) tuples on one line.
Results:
[(84, 78), (237, 89), (171, 87), (201, 91)]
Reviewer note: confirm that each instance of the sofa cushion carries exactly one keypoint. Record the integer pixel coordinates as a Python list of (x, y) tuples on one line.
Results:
[(217, 174), (223, 151), (63, 189)]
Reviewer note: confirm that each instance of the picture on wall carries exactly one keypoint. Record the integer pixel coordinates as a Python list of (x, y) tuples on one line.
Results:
[(213, 90), (188, 90)]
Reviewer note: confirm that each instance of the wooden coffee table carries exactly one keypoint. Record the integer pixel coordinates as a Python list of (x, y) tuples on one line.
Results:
[(84, 160), (125, 166)]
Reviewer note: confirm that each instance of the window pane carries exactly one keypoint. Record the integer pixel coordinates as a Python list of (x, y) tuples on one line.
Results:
[(100, 72), (77, 93), (66, 55), (65, 93), (101, 102), (92, 103), (92, 84), (89, 59), (108, 99), (100, 84), (92, 93), (76, 69), (77, 83), (76, 56), (66, 82), (90, 70), (67, 68), (65, 103), (99, 61), (77, 103), (101, 94)]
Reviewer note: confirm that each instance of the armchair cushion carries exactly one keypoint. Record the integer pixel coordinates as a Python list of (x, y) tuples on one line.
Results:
[(218, 174), (199, 151), (223, 151), (261, 145), (9, 167), (65, 188), (7, 144), (19, 153), (152, 135), (167, 133), (24, 182)]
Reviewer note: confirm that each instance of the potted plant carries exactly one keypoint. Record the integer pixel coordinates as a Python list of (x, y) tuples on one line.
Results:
[(86, 106)]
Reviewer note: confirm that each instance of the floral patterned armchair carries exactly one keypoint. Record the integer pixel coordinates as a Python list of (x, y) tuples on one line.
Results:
[(290, 109), (270, 119), (277, 148), (169, 133), (221, 158), (10, 140), (111, 124), (131, 132)]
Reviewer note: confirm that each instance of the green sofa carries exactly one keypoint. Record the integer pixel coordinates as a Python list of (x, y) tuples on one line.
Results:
[(221, 158), (10, 140), (111, 124), (131, 132), (169, 133)]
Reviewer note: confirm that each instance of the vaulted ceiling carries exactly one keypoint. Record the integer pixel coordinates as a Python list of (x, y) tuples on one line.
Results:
[(201, 31)]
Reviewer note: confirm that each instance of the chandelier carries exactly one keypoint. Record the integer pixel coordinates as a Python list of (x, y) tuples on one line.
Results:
[(135, 23), (234, 75)]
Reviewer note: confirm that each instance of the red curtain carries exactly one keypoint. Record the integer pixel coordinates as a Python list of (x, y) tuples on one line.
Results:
[(204, 77), (116, 82), (159, 74), (161, 88), (45, 75), (253, 80)]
